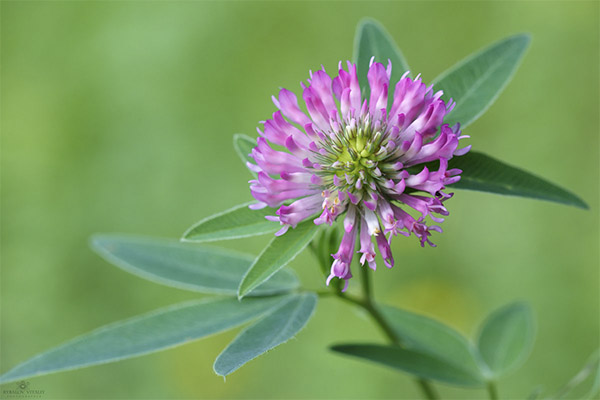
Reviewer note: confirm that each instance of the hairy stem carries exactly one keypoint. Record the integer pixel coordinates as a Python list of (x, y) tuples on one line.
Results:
[(368, 305)]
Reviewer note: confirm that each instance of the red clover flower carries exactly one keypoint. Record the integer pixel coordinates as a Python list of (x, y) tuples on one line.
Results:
[(356, 156)]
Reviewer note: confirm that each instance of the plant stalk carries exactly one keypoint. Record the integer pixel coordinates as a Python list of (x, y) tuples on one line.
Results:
[(492, 390), (368, 304)]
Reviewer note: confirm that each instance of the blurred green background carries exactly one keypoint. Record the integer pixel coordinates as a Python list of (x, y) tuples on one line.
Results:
[(118, 117)]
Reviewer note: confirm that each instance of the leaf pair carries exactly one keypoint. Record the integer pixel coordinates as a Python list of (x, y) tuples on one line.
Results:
[(432, 350), (239, 222), (158, 330), (197, 268), (474, 84)]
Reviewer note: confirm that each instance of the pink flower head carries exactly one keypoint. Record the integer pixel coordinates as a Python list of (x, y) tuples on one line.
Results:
[(350, 154)]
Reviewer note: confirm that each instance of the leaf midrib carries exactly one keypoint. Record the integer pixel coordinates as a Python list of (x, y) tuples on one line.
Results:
[(478, 82), (289, 320), (194, 232)]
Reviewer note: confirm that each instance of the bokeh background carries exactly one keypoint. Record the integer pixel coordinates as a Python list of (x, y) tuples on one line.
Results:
[(119, 116)]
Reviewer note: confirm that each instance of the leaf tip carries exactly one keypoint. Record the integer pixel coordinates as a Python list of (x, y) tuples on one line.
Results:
[(521, 306), (579, 203), (185, 237), (236, 137), (240, 136), (368, 21), (521, 40), (339, 348), (217, 370), (526, 37), (97, 241)]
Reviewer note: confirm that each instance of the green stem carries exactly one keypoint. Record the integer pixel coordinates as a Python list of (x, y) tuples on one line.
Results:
[(492, 390), (367, 303), (427, 389), (366, 284)]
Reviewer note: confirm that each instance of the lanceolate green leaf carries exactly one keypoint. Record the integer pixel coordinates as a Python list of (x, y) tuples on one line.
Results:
[(276, 328), (372, 40), (506, 338), (158, 330), (414, 362), (197, 268), (235, 223), (243, 146), (486, 174), (278, 253), (475, 82), (430, 336)]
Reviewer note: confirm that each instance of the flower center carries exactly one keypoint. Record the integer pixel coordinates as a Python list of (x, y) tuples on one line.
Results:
[(354, 157)]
